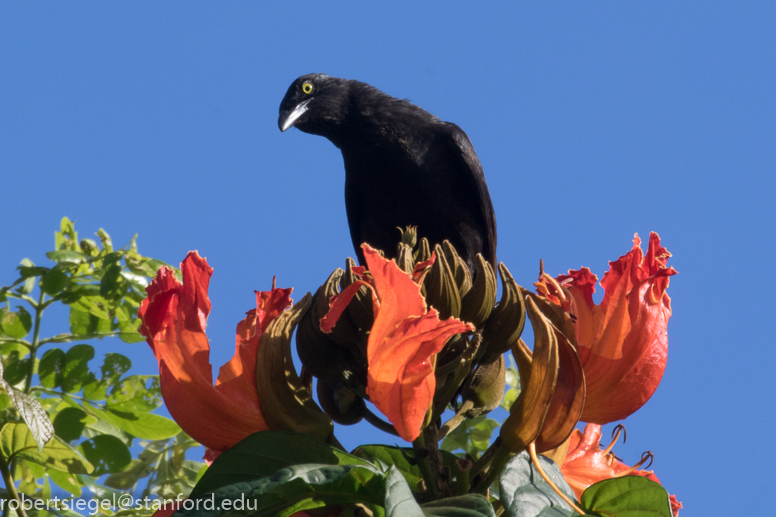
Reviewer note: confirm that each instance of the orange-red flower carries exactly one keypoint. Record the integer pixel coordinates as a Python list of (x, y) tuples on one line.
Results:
[(623, 342), (586, 463), (174, 317), (402, 345)]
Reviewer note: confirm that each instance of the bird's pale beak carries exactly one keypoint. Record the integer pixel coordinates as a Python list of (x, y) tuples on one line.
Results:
[(288, 118)]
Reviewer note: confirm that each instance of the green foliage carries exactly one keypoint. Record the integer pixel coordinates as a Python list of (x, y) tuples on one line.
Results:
[(634, 496), (524, 493), (67, 421)]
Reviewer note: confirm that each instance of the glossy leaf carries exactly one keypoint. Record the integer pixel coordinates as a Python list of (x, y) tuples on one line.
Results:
[(399, 501), (525, 494), (634, 496), (297, 488), (472, 505), (146, 426), (264, 453)]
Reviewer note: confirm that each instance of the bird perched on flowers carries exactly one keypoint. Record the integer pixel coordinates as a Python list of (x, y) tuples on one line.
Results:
[(403, 166)]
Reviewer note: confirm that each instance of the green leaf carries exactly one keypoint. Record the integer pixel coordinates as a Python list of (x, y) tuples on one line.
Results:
[(29, 283), (31, 271), (524, 493), (399, 501), (145, 426), (67, 256), (264, 453), (76, 372), (127, 478), (51, 368), (17, 441), (472, 505), (634, 496), (111, 285), (66, 481), (138, 393), (403, 458), (15, 324), (472, 436), (54, 281), (69, 423), (392, 456), (16, 366), (31, 411), (113, 367), (83, 323), (297, 488), (107, 453)]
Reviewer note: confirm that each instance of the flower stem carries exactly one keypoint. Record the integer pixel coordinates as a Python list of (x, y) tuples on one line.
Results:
[(546, 478), (39, 308), (456, 420), (379, 422), (498, 458), (422, 457)]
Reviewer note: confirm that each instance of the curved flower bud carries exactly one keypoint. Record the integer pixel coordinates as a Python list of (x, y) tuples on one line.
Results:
[(174, 319), (402, 345), (623, 342)]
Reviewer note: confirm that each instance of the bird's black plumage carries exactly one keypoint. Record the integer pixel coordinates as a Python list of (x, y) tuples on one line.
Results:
[(403, 166)]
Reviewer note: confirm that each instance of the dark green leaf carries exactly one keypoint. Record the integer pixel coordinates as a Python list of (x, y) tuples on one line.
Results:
[(17, 366), (69, 423), (51, 368), (399, 501), (395, 456), (634, 496), (15, 324), (113, 366), (107, 454), (472, 505), (54, 281), (76, 372), (264, 453), (297, 488), (111, 285), (31, 271), (138, 393), (524, 493), (17, 441)]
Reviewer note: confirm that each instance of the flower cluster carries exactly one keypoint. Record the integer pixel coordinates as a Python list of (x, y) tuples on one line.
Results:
[(418, 335)]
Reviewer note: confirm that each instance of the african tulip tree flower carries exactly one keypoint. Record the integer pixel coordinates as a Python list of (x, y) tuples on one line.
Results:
[(402, 345), (174, 317), (623, 342), (586, 463)]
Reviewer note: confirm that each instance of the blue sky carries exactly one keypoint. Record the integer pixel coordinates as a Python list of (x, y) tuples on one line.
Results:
[(592, 122)]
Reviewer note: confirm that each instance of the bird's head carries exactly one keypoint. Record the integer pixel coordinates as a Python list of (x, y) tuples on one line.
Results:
[(314, 103)]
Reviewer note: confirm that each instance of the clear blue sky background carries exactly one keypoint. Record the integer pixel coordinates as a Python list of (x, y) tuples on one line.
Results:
[(592, 121)]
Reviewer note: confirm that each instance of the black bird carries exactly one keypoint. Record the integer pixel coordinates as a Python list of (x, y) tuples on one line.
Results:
[(403, 166)]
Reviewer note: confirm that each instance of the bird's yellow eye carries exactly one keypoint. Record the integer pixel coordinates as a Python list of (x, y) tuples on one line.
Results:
[(307, 87)]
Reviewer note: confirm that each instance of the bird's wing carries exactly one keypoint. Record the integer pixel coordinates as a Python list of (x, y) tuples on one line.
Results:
[(473, 177)]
